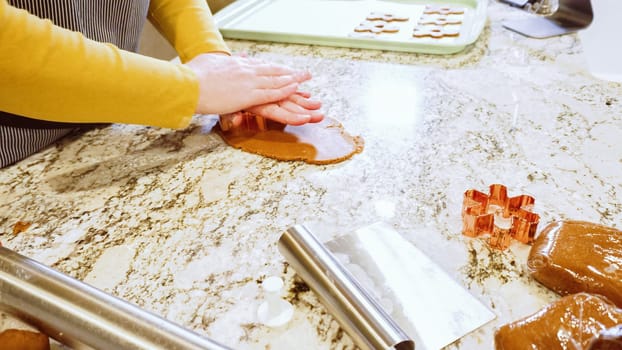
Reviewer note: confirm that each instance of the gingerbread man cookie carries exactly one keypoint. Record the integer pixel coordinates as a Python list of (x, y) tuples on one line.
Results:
[(442, 10), (386, 16), (435, 32), (377, 27)]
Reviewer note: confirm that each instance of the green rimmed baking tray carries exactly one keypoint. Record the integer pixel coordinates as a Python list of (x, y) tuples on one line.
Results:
[(331, 23)]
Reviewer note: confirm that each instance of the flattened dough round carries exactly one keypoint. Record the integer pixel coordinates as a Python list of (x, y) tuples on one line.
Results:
[(325, 142)]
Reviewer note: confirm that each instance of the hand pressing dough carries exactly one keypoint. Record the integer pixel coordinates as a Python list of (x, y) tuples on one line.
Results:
[(325, 142)]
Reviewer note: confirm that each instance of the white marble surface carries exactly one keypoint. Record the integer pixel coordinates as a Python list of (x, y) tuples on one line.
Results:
[(185, 226)]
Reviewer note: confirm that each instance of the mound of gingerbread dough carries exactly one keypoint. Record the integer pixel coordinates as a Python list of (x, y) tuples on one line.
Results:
[(573, 322), (15, 334), (609, 339), (19, 339), (576, 256)]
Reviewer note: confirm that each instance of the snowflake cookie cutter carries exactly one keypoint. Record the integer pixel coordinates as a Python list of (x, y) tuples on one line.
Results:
[(500, 216)]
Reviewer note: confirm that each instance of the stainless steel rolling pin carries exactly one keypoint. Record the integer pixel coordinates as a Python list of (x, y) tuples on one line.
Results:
[(84, 317), (358, 313)]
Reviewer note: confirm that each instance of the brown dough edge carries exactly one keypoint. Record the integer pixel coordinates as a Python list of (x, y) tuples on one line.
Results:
[(17, 339)]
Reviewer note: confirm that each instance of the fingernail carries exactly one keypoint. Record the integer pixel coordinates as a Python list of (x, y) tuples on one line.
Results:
[(302, 76)]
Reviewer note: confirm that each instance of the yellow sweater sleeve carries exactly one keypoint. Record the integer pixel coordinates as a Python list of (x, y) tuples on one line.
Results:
[(188, 25), (50, 73)]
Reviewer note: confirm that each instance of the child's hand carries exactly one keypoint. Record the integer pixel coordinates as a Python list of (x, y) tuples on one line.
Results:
[(297, 109), (231, 83)]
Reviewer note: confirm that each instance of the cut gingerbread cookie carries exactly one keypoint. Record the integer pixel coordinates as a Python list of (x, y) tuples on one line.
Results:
[(363, 35), (435, 32), (439, 20), (442, 10), (386, 16), (377, 27)]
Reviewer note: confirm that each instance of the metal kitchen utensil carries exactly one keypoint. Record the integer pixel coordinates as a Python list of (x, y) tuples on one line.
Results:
[(571, 16), (84, 317), (358, 313), (376, 262), (499, 216), (242, 122)]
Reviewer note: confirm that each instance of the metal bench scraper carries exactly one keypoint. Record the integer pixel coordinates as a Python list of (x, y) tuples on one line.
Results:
[(419, 297)]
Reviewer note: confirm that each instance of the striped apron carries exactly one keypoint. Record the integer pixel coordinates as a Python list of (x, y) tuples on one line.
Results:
[(119, 22)]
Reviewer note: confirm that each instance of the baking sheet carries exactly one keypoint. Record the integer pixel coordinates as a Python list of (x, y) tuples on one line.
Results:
[(332, 23)]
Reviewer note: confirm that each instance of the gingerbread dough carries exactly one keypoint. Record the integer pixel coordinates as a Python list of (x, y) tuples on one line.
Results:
[(325, 142), (609, 339), (17, 339), (568, 323), (577, 256)]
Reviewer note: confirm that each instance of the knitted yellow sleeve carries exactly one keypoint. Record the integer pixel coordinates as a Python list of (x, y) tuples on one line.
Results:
[(188, 25), (50, 73)]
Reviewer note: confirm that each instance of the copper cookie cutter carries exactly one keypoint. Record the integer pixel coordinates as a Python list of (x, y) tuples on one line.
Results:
[(242, 121), (500, 216)]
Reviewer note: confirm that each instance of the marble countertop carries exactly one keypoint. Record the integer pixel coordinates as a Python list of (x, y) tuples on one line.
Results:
[(185, 226)]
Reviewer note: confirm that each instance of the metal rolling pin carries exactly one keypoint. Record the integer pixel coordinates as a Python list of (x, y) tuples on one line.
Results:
[(366, 322), (84, 317)]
